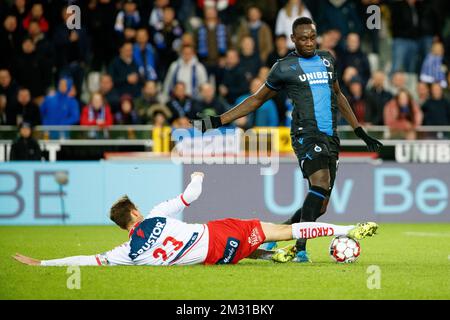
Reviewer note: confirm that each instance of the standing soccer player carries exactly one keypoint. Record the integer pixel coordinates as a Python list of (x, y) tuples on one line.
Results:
[(310, 78)]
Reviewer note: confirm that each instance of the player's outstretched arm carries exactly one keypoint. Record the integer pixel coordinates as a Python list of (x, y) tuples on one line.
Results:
[(175, 206), (69, 261), (247, 106), (347, 112)]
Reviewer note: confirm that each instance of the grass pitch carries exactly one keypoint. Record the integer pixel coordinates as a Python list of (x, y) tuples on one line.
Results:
[(414, 260)]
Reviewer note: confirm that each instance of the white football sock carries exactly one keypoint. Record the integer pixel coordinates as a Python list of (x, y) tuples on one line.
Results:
[(310, 230)]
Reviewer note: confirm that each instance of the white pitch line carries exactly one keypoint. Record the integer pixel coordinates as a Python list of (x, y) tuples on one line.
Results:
[(426, 234)]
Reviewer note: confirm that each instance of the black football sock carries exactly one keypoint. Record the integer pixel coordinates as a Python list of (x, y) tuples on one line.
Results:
[(311, 209), (295, 218)]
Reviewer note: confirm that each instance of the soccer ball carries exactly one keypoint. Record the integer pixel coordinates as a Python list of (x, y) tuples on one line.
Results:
[(344, 249)]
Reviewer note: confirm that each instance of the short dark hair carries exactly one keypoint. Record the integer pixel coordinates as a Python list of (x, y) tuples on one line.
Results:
[(120, 212), (301, 21)]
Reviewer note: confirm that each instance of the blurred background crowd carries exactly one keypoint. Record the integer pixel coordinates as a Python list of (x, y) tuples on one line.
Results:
[(163, 62)]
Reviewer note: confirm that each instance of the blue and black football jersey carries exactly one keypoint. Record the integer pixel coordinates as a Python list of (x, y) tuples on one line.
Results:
[(309, 84)]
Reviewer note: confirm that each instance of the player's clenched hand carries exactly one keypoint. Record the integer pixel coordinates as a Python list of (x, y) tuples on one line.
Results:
[(197, 174), (194, 188), (206, 123), (27, 260), (372, 144)]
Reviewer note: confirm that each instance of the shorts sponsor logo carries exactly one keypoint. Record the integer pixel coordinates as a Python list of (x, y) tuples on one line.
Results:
[(230, 251), (255, 237)]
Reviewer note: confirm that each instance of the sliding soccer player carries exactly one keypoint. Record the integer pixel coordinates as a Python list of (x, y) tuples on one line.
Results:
[(309, 77), (161, 239)]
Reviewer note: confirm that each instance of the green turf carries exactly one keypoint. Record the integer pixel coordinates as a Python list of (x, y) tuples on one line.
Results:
[(414, 260)]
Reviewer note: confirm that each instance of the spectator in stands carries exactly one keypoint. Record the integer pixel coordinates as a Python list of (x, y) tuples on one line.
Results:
[(234, 83), (329, 41), (97, 112), (447, 90), (405, 33), (378, 95), (398, 82), (423, 93), (208, 104), (148, 98), (433, 70), (126, 114), (225, 8), (127, 21), (25, 109), (3, 115), (101, 20), (258, 30), (10, 41), (144, 55), (249, 58), (187, 39), (125, 72), (212, 39), (402, 115), (41, 42), (156, 20), (31, 70), (340, 15), (167, 40), (347, 75), (71, 47), (36, 14), (181, 105), (159, 115), (264, 116), (286, 17), (109, 93), (362, 107), (61, 108), (25, 148), (353, 56), (436, 110), (431, 21), (281, 50), (186, 69), (8, 88), (20, 10)]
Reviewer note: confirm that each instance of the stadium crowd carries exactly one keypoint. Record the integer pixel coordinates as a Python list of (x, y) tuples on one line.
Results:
[(163, 62)]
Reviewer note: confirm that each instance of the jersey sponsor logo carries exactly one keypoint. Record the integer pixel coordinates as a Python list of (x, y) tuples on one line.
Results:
[(326, 62), (154, 227), (255, 237), (317, 148), (318, 77), (230, 251)]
